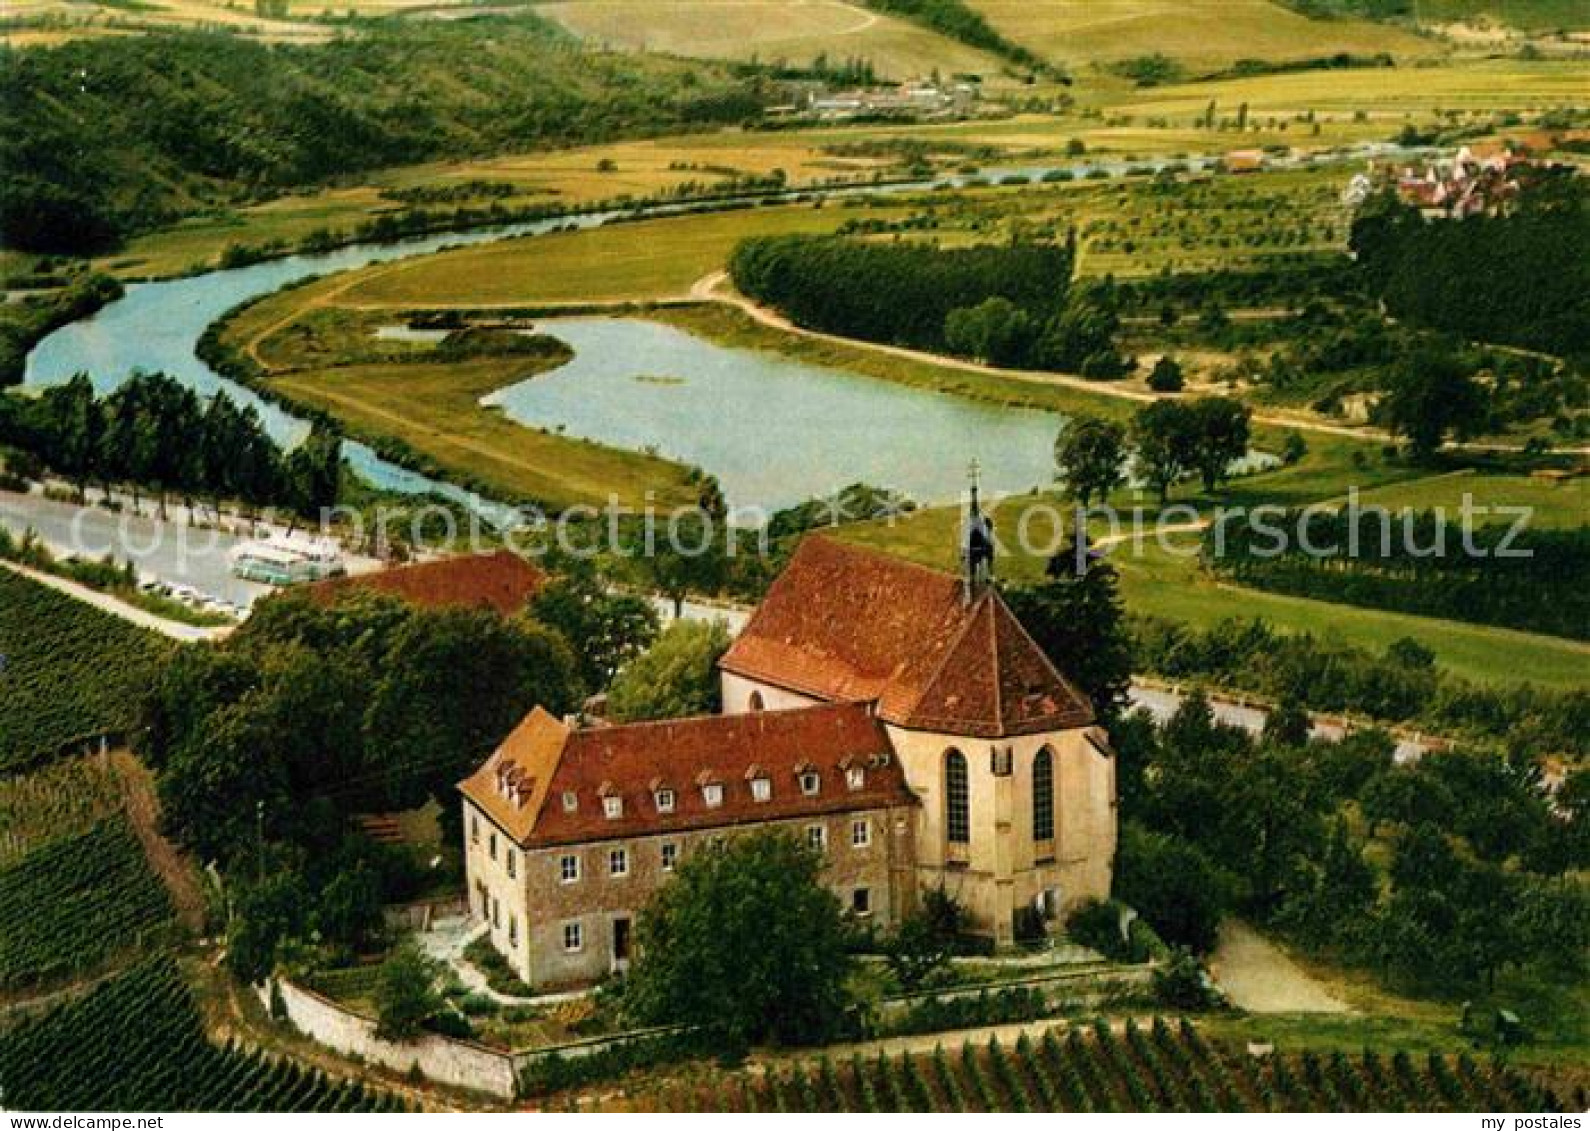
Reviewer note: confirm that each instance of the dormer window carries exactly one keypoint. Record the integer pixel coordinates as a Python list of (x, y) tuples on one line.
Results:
[(712, 794), (811, 783), (571, 801), (665, 800), (613, 807), (856, 777), (761, 789)]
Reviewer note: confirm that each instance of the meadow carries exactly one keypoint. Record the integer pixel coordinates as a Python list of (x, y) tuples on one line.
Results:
[(792, 31), (1200, 34)]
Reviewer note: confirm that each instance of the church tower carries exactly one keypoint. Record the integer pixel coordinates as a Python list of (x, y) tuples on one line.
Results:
[(977, 545)]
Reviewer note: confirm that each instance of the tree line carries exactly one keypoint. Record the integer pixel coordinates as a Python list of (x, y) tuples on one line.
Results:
[(152, 431), (110, 136), (1520, 277), (1414, 563), (1010, 305)]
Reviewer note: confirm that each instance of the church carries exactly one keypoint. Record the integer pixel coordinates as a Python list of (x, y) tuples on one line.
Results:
[(897, 718)]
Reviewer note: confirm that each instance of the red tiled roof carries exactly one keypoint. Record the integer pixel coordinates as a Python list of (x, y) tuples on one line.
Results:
[(501, 580), (844, 623), (634, 761), (511, 785)]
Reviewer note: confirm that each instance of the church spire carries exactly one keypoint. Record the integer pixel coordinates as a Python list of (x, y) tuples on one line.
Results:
[(977, 541)]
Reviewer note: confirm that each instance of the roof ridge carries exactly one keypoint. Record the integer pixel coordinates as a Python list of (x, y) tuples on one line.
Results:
[(744, 716), (987, 600), (1043, 658)]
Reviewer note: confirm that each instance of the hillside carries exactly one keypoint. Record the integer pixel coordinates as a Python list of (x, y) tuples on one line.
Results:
[(1200, 34), (791, 31), (111, 136)]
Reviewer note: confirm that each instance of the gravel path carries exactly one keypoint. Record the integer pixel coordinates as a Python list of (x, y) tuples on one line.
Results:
[(1260, 978)]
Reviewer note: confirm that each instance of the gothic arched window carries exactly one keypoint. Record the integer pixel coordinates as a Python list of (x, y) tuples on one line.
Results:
[(1043, 795), (755, 702), (957, 799)]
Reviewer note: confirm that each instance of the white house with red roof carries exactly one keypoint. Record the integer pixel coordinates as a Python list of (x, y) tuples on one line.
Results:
[(898, 718)]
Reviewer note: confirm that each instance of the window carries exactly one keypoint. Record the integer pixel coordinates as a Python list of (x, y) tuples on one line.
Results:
[(811, 782), (817, 837), (474, 828), (755, 702), (712, 795), (860, 833), (618, 862), (491, 846), (496, 912), (718, 843), (571, 801), (1043, 795), (861, 902), (613, 807), (513, 863), (761, 789), (957, 799), (569, 869), (665, 801), (670, 856), (513, 930), (856, 777), (1001, 761), (573, 937)]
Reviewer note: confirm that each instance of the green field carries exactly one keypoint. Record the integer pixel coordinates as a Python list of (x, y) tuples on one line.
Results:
[(1526, 15), (1202, 34)]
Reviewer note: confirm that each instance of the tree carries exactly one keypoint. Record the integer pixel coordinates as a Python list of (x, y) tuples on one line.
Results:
[(1293, 448), (689, 555), (1429, 395), (745, 937), (607, 628), (1166, 376), (265, 912), (1084, 330), (1170, 882), (1287, 725), (1080, 623), (995, 330), (1220, 428), (1162, 433), (406, 994), (313, 471), (1090, 456), (675, 678)]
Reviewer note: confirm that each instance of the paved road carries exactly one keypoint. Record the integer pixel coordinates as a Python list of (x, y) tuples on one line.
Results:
[(103, 601), (171, 552)]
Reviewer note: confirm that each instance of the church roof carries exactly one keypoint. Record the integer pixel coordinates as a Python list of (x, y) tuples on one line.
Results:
[(636, 761), (500, 580), (843, 623)]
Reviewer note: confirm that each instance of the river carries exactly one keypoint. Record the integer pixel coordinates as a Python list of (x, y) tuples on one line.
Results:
[(904, 438)]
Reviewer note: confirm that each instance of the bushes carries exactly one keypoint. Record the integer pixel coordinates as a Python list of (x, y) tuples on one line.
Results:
[(1174, 885), (555, 1071), (990, 1007)]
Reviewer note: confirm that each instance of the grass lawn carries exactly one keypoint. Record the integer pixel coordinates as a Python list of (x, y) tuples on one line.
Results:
[(1562, 506), (435, 409)]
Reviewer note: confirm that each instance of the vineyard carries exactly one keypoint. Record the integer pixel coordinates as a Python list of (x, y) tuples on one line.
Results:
[(1167, 1067), (67, 670), (58, 800), (136, 1043), (76, 902)]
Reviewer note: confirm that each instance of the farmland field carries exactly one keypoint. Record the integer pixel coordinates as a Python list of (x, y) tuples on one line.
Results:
[(770, 30), (1527, 15), (138, 1044), (1204, 34), (76, 903), (70, 670), (1165, 1067), (61, 799)]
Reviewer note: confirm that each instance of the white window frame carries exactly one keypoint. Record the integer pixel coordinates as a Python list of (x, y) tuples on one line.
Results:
[(573, 937), (669, 854), (666, 800), (712, 794), (811, 783), (817, 837), (761, 789), (617, 863), (861, 833), (613, 807), (566, 874), (856, 778), (571, 801)]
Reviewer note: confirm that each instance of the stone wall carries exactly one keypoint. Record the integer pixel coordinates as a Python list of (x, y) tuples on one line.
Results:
[(460, 1064)]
